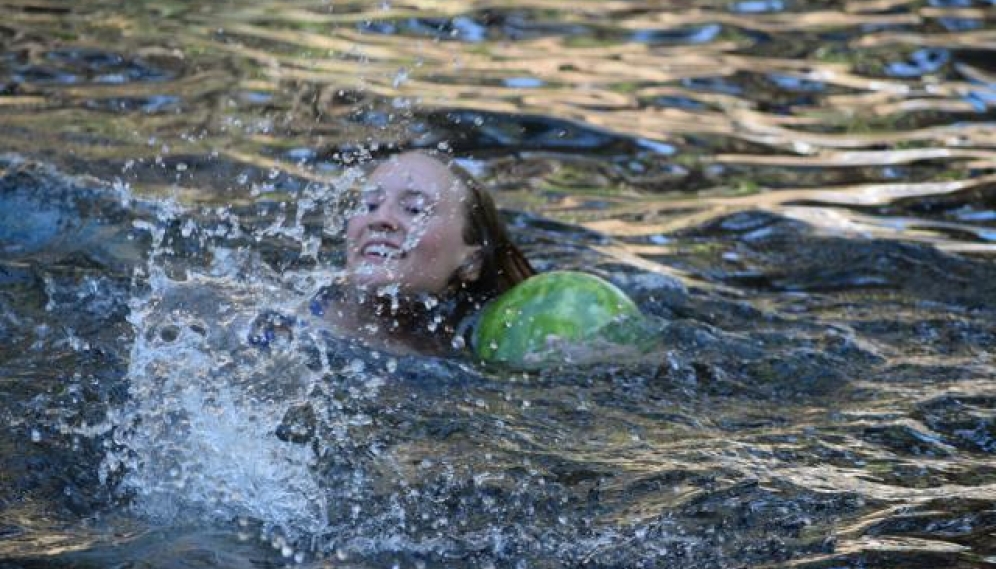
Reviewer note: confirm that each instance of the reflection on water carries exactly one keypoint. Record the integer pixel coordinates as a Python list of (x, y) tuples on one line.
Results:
[(725, 100), (805, 191)]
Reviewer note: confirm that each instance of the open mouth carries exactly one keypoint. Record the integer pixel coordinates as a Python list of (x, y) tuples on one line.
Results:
[(380, 251)]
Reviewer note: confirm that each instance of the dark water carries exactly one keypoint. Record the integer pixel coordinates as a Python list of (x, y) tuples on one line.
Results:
[(806, 192)]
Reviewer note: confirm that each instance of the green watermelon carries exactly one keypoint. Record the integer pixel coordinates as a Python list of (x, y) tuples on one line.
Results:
[(557, 313)]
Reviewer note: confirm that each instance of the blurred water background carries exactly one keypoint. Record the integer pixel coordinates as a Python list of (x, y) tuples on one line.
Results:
[(804, 190)]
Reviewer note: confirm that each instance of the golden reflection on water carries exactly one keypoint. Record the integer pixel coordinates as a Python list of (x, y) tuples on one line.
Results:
[(581, 64)]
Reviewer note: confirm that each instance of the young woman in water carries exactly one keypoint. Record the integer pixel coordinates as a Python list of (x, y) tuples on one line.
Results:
[(425, 250)]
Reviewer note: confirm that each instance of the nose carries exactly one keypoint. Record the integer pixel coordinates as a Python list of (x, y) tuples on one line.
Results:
[(383, 218)]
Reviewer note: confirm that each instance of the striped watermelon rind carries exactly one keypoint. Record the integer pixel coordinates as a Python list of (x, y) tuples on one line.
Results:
[(550, 312)]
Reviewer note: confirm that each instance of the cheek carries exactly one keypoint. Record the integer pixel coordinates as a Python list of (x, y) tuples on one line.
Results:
[(438, 238), (353, 226)]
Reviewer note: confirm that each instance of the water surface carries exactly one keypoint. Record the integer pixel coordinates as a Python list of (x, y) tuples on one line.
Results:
[(803, 190)]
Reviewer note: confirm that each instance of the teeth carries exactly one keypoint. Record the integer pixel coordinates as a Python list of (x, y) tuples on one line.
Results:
[(381, 250)]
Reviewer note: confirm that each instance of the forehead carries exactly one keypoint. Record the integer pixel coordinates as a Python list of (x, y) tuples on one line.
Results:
[(413, 172)]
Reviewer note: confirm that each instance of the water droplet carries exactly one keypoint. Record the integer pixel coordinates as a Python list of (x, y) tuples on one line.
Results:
[(188, 228), (356, 366)]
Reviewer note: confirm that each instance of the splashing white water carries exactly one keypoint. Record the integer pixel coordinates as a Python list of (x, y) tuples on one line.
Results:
[(196, 440)]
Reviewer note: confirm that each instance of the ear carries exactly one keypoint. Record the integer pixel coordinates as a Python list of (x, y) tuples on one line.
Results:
[(470, 270)]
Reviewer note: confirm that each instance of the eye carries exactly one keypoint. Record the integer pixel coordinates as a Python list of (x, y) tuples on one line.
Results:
[(416, 205), (370, 200)]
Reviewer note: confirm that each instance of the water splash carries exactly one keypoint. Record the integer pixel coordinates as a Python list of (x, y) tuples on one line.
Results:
[(199, 438)]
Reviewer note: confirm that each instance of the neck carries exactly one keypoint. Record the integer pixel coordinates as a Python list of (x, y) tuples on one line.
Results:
[(394, 322)]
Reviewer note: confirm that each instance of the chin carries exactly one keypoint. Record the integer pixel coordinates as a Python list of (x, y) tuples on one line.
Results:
[(371, 276)]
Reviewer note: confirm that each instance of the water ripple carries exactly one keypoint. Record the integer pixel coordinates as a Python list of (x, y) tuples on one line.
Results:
[(806, 192)]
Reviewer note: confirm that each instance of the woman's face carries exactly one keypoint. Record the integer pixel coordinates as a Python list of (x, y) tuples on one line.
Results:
[(409, 227)]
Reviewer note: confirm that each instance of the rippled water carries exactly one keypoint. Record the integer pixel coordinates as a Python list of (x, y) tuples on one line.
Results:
[(806, 192)]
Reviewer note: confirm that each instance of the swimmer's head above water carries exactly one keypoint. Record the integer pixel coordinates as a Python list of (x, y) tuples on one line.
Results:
[(425, 229), (429, 228)]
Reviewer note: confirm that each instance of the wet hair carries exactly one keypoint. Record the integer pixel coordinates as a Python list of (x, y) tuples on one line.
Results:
[(502, 264)]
